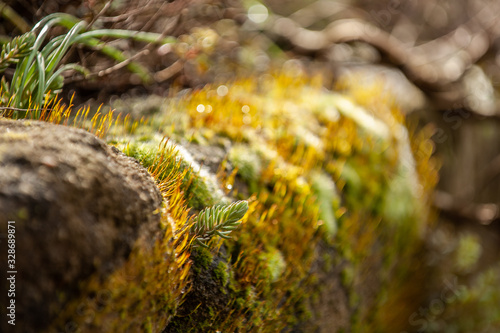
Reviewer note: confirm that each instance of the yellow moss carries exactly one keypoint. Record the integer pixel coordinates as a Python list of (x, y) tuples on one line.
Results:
[(296, 129)]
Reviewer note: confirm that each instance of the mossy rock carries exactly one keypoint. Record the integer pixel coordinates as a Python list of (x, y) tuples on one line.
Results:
[(338, 193), (337, 187), (79, 206)]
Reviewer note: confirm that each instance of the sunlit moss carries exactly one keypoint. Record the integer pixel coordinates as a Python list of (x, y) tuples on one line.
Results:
[(292, 128), (275, 262), (201, 188), (202, 259), (247, 162), (328, 200), (221, 273)]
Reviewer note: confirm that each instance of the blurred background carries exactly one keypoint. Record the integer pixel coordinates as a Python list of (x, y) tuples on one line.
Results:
[(439, 59)]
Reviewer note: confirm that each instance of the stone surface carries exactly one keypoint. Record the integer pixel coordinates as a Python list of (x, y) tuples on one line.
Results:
[(79, 206)]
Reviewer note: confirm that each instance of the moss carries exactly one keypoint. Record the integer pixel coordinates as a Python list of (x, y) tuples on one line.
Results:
[(240, 303), (275, 263), (145, 138), (202, 258), (199, 188), (144, 152), (202, 193), (248, 164), (148, 327), (328, 200), (206, 304), (221, 273), (347, 276)]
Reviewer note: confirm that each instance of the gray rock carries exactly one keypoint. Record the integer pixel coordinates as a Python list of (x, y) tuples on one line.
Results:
[(78, 205)]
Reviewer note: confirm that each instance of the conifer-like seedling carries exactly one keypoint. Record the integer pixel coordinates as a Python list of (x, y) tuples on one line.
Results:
[(15, 50), (218, 220)]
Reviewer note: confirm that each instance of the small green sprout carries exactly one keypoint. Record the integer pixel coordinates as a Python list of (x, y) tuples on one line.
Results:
[(218, 220)]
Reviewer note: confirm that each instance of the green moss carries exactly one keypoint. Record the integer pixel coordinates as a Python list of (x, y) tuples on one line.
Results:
[(148, 327), (199, 188), (347, 276), (328, 200), (303, 313), (240, 303), (202, 258), (144, 152), (221, 273), (399, 202), (275, 264), (139, 107), (202, 192), (248, 299), (145, 138), (248, 163), (353, 180)]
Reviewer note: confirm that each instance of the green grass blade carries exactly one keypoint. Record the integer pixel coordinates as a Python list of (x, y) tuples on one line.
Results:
[(147, 37), (40, 63), (69, 39), (63, 19), (53, 44), (64, 68), (28, 64)]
